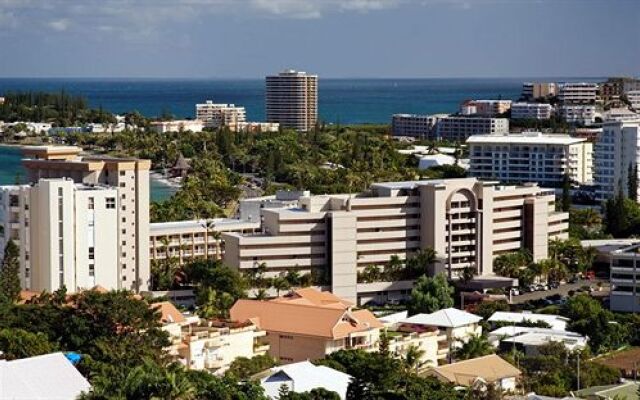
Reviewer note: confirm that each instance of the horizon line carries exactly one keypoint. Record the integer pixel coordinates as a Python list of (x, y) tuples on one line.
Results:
[(319, 77)]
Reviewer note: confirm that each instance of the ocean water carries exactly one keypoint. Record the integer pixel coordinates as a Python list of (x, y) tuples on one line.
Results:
[(346, 101), (12, 171)]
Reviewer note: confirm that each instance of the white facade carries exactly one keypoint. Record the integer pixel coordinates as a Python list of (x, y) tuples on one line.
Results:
[(578, 114), (460, 128), (531, 157), (634, 98), (256, 127), (67, 234), (625, 288), (412, 125), (617, 149), (578, 93), (531, 111), (217, 115), (485, 108), (183, 125)]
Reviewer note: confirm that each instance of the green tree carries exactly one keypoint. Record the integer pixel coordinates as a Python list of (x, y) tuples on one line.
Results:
[(9, 274), (430, 295), (476, 346), (566, 192), (632, 182), (19, 343), (243, 368)]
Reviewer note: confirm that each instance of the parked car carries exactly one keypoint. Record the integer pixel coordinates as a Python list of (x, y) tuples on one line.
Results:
[(515, 292)]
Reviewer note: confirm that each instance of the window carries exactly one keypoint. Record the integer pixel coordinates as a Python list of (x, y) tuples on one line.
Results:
[(13, 200), (124, 231), (111, 202), (90, 203), (91, 253), (122, 173), (92, 270), (122, 184), (124, 219)]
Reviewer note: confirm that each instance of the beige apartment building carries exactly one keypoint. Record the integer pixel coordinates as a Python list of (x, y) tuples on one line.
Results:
[(130, 177), (536, 90), (66, 233), (468, 223), (292, 100), (308, 325), (531, 157)]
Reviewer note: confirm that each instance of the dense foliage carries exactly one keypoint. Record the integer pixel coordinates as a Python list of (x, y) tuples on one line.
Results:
[(430, 295), (61, 109), (9, 273)]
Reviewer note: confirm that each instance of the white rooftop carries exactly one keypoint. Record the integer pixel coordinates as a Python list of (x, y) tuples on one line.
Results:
[(555, 321), (447, 318), (196, 225), (50, 377), (538, 336), (526, 138), (303, 377)]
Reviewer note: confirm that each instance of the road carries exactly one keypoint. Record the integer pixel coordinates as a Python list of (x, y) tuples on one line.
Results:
[(563, 290)]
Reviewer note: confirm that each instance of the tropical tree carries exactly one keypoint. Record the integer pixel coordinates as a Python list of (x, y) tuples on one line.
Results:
[(476, 346), (413, 358), (430, 295), (9, 273)]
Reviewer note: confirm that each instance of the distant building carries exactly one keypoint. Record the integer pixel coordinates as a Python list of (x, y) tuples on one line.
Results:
[(413, 125), (66, 232), (303, 377), (620, 114), (633, 96), (536, 90), (129, 176), (589, 133), (457, 128), (183, 125), (308, 325), (578, 114), (491, 369), (218, 115), (292, 100), (485, 108), (617, 150), (255, 127), (578, 93), (531, 157), (539, 111), (435, 160), (49, 376)]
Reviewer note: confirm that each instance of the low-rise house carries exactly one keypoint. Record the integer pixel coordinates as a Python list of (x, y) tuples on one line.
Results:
[(555, 322), (183, 125), (308, 324), (49, 376), (430, 341), (458, 325), (529, 340), (480, 371), (209, 345), (303, 377), (626, 390)]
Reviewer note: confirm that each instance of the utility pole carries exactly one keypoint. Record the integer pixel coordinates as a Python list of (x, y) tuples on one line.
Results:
[(578, 371)]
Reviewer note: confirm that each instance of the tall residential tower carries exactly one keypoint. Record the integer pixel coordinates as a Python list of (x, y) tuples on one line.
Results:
[(292, 100)]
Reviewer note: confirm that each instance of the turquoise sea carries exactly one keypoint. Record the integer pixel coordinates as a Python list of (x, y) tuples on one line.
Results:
[(11, 171)]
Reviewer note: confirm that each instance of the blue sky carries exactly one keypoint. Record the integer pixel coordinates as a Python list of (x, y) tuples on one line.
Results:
[(334, 38)]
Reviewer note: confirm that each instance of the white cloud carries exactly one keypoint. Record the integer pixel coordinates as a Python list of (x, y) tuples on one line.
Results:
[(59, 25)]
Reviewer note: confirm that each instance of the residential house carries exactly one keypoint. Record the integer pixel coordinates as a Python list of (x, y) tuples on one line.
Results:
[(481, 371), (308, 324), (303, 377), (529, 340), (458, 325), (555, 322)]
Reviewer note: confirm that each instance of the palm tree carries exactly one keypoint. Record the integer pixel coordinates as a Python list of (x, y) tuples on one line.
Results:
[(413, 357), (280, 283), (476, 346)]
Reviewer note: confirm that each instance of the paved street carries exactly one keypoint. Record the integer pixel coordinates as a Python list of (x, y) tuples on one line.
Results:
[(562, 290)]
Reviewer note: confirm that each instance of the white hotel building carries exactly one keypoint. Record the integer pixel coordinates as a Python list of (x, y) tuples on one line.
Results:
[(466, 221), (67, 234), (461, 127), (531, 157), (578, 114), (578, 93), (531, 111), (216, 115), (617, 149)]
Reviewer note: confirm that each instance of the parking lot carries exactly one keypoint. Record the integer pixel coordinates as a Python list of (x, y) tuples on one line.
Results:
[(562, 290)]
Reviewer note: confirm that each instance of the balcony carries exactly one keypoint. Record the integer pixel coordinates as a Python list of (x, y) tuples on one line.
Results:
[(214, 363)]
